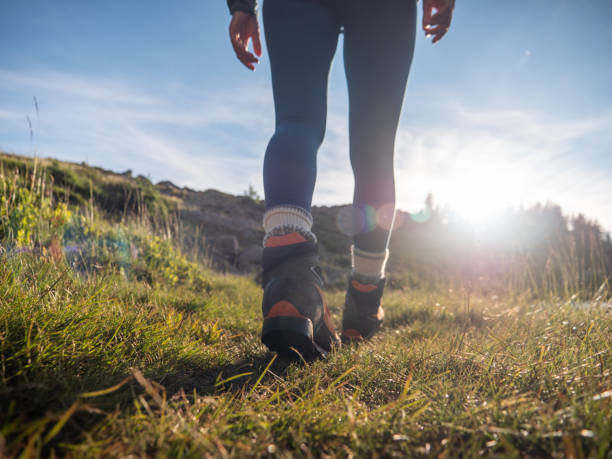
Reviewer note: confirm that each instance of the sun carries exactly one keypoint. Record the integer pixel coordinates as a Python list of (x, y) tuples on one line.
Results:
[(480, 194), (476, 192)]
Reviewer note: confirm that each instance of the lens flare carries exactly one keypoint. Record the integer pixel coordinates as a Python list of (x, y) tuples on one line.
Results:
[(370, 218), (384, 216), (353, 220), (350, 220), (421, 216)]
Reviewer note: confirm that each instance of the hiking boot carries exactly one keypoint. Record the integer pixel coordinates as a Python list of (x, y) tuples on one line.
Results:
[(363, 313), (295, 315)]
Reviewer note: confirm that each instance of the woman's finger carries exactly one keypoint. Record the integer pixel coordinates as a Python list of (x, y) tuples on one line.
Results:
[(240, 48), (246, 57), (441, 17), (256, 42), (426, 15), (438, 36), (437, 30)]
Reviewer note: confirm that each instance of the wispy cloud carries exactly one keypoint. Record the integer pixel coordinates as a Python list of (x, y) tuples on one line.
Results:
[(98, 89), (10, 115), (517, 157), (216, 139), (193, 137), (481, 156)]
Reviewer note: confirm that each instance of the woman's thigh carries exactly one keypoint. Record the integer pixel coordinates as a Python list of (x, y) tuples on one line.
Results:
[(301, 37), (378, 49)]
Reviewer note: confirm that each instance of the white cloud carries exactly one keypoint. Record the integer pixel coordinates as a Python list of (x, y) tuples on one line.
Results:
[(116, 124), (10, 115), (98, 89), (492, 157), (216, 139)]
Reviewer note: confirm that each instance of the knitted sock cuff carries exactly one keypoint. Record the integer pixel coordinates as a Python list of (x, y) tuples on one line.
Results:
[(282, 220), (287, 215), (368, 267)]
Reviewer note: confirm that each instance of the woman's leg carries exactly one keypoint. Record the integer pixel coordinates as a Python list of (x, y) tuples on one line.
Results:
[(301, 38), (378, 49)]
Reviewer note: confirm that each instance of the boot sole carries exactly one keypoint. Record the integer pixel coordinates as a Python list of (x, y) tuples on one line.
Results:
[(291, 337)]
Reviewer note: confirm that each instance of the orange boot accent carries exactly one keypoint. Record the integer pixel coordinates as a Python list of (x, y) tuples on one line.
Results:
[(286, 239), (364, 288), (352, 334), (283, 309)]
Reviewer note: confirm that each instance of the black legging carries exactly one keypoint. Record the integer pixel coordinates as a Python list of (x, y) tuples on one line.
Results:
[(301, 37)]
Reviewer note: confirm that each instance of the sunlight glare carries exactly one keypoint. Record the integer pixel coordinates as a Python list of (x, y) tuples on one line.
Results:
[(480, 194)]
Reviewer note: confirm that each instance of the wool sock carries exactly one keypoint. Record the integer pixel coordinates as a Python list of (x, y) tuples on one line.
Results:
[(287, 224), (368, 267)]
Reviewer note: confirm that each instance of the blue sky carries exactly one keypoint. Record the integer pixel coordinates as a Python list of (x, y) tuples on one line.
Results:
[(512, 107)]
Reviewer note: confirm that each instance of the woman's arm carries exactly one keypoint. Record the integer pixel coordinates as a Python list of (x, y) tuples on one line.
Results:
[(437, 23), (243, 28)]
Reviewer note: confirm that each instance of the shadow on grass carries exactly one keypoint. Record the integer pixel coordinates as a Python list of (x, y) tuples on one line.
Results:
[(470, 318), (234, 377), (38, 405), (27, 399), (56, 390)]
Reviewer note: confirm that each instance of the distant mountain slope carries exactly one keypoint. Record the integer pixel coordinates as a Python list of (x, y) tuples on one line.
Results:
[(526, 249)]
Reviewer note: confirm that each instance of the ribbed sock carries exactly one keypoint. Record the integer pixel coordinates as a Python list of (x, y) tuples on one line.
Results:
[(368, 267), (287, 224)]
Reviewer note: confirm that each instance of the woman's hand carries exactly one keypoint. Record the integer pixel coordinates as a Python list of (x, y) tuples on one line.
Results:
[(437, 23), (244, 27)]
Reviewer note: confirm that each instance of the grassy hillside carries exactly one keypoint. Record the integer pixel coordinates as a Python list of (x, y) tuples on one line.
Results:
[(537, 250), (115, 340)]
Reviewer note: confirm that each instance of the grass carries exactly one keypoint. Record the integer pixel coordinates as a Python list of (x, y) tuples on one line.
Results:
[(106, 366), (125, 346)]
